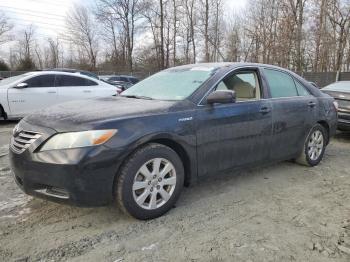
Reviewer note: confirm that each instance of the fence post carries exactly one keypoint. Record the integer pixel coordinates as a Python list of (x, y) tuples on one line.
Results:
[(337, 76)]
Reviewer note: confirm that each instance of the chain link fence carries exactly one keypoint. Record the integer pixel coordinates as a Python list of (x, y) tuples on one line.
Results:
[(326, 78)]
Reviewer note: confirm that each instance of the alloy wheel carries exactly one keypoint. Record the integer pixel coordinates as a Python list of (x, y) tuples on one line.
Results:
[(315, 145), (154, 183)]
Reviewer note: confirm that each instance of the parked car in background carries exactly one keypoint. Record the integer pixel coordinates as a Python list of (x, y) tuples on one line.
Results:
[(69, 70), (120, 84), (21, 95), (314, 84), (341, 93), (121, 81), (168, 131)]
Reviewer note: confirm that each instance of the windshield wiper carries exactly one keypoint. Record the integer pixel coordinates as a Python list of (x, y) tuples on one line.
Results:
[(138, 97)]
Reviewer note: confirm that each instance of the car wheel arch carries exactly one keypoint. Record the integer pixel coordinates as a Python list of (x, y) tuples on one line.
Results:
[(2, 112), (326, 127), (166, 140), (182, 153)]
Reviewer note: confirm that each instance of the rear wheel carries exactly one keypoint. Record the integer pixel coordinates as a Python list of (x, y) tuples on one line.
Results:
[(150, 182), (314, 147)]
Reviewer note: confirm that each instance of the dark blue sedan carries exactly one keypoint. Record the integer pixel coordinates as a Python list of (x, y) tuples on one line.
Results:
[(170, 130)]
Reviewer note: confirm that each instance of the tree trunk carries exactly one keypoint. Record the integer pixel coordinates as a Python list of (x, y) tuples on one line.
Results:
[(161, 34), (206, 37)]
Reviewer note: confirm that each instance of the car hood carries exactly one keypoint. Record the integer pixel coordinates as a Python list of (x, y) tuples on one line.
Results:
[(87, 114), (341, 94)]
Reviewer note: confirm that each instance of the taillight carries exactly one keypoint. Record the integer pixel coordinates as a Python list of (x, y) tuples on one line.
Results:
[(336, 105)]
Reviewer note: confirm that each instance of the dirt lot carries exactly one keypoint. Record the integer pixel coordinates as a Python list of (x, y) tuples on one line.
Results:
[(284, 212)]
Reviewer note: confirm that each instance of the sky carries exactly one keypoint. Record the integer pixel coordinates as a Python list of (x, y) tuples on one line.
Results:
[(48, 16)]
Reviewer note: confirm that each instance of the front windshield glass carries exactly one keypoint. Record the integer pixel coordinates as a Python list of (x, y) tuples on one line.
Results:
[(338, 86), (11, 79), (171, 84)]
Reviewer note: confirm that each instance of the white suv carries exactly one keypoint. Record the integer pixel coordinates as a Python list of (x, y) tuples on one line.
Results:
[(23, 94)]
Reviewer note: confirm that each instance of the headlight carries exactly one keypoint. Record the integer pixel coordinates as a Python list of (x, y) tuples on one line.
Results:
[(336, 105), (78, 139)]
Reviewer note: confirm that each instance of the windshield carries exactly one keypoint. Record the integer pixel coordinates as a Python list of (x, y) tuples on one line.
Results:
[(173, 84), (11, 79), (338, 86)]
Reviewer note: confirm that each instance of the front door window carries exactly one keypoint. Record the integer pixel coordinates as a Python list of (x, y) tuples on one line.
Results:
[(245, 84)]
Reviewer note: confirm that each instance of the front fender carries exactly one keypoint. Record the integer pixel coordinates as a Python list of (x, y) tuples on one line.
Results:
[(4, 101), (184, 146)]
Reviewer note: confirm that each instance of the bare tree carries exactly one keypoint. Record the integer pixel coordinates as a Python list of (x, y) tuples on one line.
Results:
[(54, 47), (5, 28), (82, 33), (127, 13), (339, 15), (24, 51)]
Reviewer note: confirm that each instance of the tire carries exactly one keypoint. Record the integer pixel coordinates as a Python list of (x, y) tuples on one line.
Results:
[(314, 146), (2, 113), (139, 180)]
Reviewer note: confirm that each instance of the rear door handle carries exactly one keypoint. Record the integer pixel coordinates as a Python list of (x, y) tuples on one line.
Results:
[(311, 104), (51, 92), (87, 91), (265, 110)]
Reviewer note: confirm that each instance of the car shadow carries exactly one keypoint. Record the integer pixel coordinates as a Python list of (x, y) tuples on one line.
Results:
[(8, 122), (344, 136)]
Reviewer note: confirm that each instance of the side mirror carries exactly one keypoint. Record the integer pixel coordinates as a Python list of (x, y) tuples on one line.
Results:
[(222, 97), (21, 85)]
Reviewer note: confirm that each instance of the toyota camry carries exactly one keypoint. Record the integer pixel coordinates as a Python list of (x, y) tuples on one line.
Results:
[(168, 131)]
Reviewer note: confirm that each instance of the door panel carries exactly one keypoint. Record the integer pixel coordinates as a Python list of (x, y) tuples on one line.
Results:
[(294, 113), (39, 94), (233, 135), (73, 88), (292, 118)]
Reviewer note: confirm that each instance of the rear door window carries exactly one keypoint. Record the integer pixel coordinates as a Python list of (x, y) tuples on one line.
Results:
[(281, 84), (41, 81), (63, 80)]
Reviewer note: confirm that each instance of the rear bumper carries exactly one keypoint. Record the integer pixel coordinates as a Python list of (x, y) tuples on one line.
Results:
[(81, 177)]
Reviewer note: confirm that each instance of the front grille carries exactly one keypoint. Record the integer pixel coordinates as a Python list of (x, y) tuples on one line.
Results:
[(22, 140)]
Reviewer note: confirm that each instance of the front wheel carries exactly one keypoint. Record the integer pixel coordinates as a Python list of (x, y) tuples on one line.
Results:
[(314, 147), (150, 182)]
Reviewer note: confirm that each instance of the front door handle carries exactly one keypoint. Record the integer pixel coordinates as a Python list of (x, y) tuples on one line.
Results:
[(87, 91), (311, 104), (265, 110), (51, 92)]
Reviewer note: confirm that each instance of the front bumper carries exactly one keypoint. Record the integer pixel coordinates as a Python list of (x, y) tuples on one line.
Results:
[(344, 120), (81, 177)]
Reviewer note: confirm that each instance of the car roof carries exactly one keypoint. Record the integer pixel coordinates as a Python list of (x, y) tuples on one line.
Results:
[(34, 73), (216, 65)]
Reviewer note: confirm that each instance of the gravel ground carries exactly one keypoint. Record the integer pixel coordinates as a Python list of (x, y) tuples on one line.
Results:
[(284, 212)]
